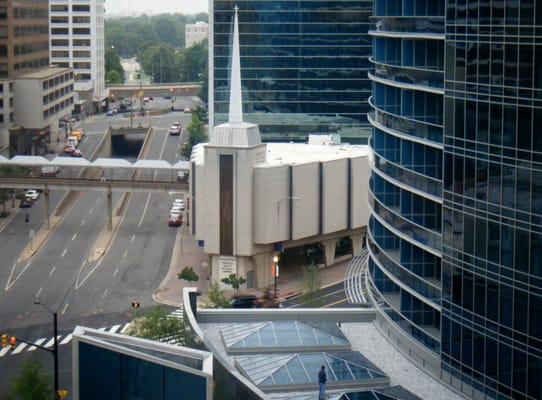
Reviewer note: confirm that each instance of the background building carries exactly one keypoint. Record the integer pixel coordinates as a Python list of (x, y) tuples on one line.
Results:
[(304, 66), (77, 41), (195, 33), (456, 191), (24, 47)]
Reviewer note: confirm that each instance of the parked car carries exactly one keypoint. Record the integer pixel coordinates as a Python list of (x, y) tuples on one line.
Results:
[(178, 203), (182, 176), (25, 203), (73, 141), (187, 110), (248, 301), (69, 149), (32, 194), (175, 220), (77, 153), (112, 112), (174, 131), (176, 210)]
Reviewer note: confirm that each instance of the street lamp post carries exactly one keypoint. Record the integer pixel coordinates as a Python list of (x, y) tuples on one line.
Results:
[(55, 344), (275, 272)]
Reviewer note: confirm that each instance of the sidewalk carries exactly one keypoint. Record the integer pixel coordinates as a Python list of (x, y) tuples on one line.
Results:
[(185, 253), (13, 211)]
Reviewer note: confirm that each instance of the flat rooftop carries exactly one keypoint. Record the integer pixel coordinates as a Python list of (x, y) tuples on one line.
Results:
[(44, 73), (297, 153)]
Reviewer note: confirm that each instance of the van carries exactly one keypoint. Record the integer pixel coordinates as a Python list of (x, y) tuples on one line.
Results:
[(73, 141)]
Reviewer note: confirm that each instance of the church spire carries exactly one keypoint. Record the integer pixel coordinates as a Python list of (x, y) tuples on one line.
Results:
[(236, 97)]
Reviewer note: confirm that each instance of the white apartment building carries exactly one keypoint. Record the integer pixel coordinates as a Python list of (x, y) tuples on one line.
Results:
[(78, 41), (196, 33)]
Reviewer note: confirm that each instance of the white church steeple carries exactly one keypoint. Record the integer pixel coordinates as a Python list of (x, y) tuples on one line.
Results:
[(236, 95)]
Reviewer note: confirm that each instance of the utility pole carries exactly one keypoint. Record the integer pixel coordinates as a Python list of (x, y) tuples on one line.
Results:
[(54, 352)]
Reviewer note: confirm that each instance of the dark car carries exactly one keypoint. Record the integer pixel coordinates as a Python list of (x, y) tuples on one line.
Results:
[(248, 301), (25, 203)]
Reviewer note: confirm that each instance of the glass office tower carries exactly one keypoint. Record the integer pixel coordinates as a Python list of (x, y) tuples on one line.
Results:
[(304, 66), (455, 236), (492, 212), (405, 195)]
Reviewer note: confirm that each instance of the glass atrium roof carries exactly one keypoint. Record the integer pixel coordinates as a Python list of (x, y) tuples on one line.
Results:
[(299, 369), (391, 393), (283, 336)]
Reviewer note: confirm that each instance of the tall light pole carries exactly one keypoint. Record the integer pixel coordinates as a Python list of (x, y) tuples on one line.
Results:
[(275, 272), (55, 345)]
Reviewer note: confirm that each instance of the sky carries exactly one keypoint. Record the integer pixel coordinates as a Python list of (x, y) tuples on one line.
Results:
[(156, 6)]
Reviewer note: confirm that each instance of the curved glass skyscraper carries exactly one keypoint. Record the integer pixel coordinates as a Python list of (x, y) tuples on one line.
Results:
[(455, 236)]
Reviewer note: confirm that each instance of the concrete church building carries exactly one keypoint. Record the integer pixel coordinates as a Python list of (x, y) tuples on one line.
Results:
[(251, 201)]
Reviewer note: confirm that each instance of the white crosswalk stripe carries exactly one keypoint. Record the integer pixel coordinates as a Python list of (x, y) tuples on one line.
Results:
[(19, 348), (38, 342), (66, 339)]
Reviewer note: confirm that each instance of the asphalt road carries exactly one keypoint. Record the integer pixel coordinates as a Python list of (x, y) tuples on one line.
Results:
[(83, 293)]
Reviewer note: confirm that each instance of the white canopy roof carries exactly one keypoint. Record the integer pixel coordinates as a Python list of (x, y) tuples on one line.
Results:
[(70, 162), (152, 164), (182, 165), (29, 161), (112, 163)]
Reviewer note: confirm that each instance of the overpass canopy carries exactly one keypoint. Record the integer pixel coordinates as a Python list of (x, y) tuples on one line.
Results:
[(107, 163), (153, 164), (69, 162)]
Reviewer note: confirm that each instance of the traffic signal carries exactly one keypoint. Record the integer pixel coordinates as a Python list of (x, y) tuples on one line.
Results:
[(13, 342), (5, 341), (135, 304), (62, 394)]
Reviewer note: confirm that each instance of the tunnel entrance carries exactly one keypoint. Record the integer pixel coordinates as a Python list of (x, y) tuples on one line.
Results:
[(126, 146)]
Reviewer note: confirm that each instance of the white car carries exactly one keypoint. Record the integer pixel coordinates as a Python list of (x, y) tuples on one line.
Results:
[(175, 210), (32, 194), (178, 203)]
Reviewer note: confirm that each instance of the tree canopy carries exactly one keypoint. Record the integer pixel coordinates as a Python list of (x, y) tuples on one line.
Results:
[(112, 64), (32, 383)]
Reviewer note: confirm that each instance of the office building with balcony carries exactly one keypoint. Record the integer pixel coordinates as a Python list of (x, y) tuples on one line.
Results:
[(77, 41), (195, 33), (304, 66), (456, 191)]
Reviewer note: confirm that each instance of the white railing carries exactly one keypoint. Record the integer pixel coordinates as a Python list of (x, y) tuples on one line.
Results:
[(354, 278)]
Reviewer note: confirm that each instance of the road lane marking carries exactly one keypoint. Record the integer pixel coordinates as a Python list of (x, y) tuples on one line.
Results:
[(144, 210), (79, 284), (74, 236), (125, 328), (65, 308), (19, 348), (133, 238), (83, 222), (10, 283), (105, 293), (52, 271), (116, 272), (38, 342), (91, 211), (125, 253), (67, 339), (114, 328), (4, 351), (99, 199), (64, 253), (39, 292)]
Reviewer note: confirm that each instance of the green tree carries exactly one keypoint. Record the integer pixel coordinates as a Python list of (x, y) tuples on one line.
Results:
[(158, 61), (32, 383), (112, 63), (204, 91), (311, 285), (202, 114), (113, 76), (197, 134), (159, 325), (192, 62), (234, 281), (217, 298), (188, 274)]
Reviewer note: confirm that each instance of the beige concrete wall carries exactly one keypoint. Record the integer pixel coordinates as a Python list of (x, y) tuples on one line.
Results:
[(306, 182), (209, 188), (360, 185), (334, 198), (272, 206)]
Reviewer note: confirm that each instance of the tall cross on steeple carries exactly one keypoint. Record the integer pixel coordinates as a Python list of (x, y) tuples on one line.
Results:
[(236, 94)]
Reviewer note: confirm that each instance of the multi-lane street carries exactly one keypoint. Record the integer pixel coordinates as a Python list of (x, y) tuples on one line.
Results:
[(93, 293)]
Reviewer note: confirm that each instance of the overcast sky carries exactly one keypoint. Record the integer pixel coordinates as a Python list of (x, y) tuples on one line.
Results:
[(156, 6)]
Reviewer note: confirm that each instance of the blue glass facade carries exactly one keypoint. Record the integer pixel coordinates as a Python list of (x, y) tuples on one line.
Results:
[(492, 191), (455, 237), (405, 196), (304, 66)]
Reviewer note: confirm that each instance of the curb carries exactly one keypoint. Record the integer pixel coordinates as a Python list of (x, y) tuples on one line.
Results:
[(155, 295)]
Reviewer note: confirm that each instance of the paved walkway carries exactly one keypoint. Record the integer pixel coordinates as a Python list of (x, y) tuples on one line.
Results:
[(187, 253)]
